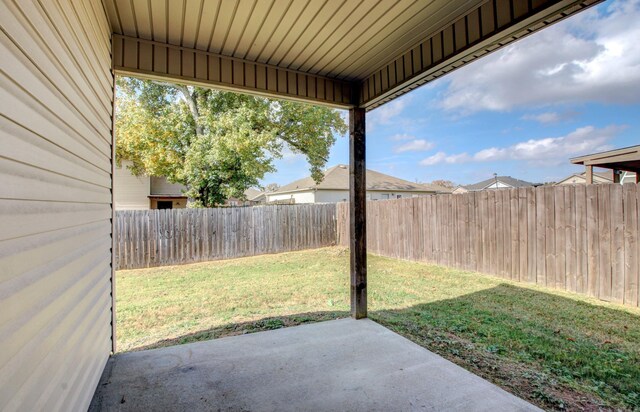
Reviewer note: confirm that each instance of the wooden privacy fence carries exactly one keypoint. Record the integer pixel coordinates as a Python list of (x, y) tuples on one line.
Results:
[(146, 238), (578, 238)]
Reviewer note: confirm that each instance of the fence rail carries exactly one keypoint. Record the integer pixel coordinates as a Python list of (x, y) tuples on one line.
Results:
[(578, 238), (146, 238)]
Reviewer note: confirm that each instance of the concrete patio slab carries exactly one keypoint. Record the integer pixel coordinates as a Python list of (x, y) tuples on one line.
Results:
[(341, 365)]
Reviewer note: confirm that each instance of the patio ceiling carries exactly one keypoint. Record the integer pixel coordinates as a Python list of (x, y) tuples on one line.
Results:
[(343, 53)]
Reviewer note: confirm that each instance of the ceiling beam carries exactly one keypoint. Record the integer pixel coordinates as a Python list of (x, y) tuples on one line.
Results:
[(152, 60), (482, 30)]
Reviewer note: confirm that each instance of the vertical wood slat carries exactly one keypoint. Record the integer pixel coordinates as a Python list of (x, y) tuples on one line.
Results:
[(617, 244), (593, 240), (604, 253), (582, 239), (631, 280), (570, 238), (560, 237)]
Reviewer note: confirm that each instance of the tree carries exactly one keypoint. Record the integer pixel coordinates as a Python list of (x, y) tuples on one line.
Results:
[(271, 187), (217, 144), (444, 183)]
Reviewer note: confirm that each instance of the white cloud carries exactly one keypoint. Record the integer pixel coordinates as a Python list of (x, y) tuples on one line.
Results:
[(442, 157), (388, 113), (401, 137), (546, 151), (589, 57), (418, 145), (550, 117)]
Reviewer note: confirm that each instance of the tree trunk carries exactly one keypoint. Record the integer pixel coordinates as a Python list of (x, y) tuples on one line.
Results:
[(193, 106)]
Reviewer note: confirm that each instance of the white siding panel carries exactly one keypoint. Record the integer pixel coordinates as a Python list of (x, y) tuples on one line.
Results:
[(130, 192), (160, 186), (299, 197), (55, 202), (332, 196)]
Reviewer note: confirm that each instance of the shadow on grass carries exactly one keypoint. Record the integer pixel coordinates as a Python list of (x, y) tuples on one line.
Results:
[(552, 350), (233, 329), (558, 352)]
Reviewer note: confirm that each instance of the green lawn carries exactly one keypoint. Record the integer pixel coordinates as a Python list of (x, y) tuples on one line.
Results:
[(558, 350)]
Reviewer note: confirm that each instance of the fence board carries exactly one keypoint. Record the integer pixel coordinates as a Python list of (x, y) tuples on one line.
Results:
[(604, 229), (560, 238), (570, 237), (630, 195), (617, 244), (541, 268), (550, 236)]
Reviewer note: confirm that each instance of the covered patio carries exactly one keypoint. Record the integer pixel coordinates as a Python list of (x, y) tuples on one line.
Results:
[(626, 159), (57, 290)]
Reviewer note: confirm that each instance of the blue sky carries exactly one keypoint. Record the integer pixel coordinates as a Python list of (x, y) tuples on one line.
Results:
[(571, 89)]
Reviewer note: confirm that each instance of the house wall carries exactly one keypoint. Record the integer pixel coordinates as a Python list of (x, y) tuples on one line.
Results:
[(55, 203), (160, 186), (130, 192), (300, 197), (382, 195), (331, 196)]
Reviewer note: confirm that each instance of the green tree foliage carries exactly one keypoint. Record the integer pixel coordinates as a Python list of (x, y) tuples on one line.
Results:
[(217, 144)]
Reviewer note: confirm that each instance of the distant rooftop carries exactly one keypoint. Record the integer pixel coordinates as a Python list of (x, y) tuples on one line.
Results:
[(337, 178), (506, 180)]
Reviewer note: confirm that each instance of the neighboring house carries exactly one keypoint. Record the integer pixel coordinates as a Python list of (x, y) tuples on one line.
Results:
[(581, 178), (251, 197), (255, 197), (335, 188), (145, 192), (497, 182)]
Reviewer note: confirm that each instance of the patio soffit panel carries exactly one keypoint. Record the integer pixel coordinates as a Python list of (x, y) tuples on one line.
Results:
[(161, 61), (342, 39), (319, 51)]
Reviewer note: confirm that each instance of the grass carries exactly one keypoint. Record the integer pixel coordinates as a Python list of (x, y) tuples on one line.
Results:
[(558, 350)]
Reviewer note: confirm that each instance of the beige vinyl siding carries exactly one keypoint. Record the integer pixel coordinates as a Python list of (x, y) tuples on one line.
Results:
[(298, 197), (161, 186), (130, 192), (331, 196), (56, 93)]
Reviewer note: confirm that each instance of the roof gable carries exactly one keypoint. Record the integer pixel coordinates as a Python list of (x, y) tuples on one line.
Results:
[(506, 180)]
